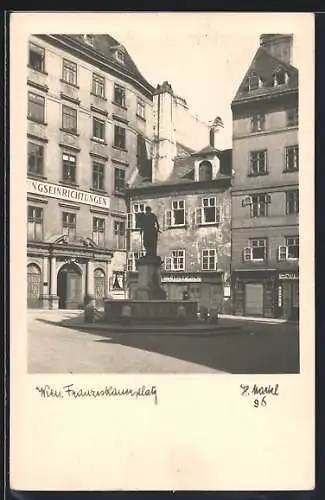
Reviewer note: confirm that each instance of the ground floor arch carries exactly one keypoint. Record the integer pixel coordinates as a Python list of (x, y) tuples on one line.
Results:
[(33, 286), (69, 287)]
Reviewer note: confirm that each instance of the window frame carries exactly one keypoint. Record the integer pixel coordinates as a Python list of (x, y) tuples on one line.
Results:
[(142, 107), (98, 231), (42, 69), (72, 70), (102, 127), (69, 224), (36, 220), (295, 160), (248, 252), (211, 254), (173, 262), (132, 216), (119, 180), (40, 167), (119, 232), (258, 122), (259, 171), (256, 208), (131, 258), (119, 96), (118, 136), (170, 214), (72, 117), (98, 175), (39, 99), (294, 120), (98, 81), (294, 245), (68, 163), (294, 194)]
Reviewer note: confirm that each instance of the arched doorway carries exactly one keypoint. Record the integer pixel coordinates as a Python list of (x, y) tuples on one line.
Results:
[(33, 286), (69, 287), (205, 171), (99, 282)]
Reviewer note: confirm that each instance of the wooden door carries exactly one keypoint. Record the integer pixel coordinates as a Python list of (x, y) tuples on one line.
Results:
[(33, 286), (99, 283), (254, 299), (74, 291)]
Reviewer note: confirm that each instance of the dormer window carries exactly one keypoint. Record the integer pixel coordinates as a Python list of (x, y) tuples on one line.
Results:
[(205, 171), (120, 56), (254, 82), (89, 39), (280, 77)]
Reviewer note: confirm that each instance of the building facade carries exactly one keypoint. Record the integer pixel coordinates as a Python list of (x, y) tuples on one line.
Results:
[(265, 191), (189, 191), (89, 113)]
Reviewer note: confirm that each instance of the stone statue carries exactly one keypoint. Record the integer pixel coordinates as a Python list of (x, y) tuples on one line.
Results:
[(149, 228)]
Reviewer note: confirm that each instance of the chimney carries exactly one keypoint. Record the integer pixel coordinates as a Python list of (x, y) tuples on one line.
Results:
[(278, 46), (211, 133)]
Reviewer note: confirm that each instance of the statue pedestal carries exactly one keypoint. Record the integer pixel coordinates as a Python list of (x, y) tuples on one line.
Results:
[(149, 279)]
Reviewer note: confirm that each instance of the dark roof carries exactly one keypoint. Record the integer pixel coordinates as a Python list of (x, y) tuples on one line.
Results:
[(207, 150), (264, 66)]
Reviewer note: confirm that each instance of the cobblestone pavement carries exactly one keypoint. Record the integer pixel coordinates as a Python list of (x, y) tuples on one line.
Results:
[(256, 348)]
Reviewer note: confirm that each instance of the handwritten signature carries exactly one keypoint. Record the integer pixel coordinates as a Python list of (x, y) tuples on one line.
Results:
[(260, 392)]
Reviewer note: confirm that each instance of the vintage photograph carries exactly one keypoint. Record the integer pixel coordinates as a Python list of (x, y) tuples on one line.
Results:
[(162, 204)]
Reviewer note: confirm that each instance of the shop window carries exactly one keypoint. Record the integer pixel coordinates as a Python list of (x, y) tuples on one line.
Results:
[(69, 168), (119, 179), (141, 109), (134, 218), (35, 158), (291, 158), (36, 107), (69, 225), (256, 251), (119, 137), (98, 129), (289, 251), (69, 72), (209, 260), (292, 201), (35, 223), (176, 262), (133, 257), (119, 95), (257, 122), (98, 86), (208, 212), (258, 162), (119, 234), (292, 117), (98, 175), (69, 119), (36, 58), (99, 231), (205, 171), (176, 216)]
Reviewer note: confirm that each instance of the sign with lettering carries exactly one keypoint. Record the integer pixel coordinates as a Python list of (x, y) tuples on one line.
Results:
[(288, 276), (183, 279), (67, 193)]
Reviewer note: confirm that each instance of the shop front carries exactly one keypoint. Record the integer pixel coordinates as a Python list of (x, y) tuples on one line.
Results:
[(288, 295), (254, 293)]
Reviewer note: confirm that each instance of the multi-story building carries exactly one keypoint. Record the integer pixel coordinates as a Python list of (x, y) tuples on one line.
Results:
[(89, 114), (189, 192), (265, 191)]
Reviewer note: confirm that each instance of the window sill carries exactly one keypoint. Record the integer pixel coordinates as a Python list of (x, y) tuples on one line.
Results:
[(116, 192), (175, 226), (141, 117), (69, 83), (258, 175), (292, 259), (99, 191), (38, 70), (71, 132), (257, 261), (99, 141), (69, 184), (120, 105), (120, 149), (290, 171), (209, 223), (31, 119), (98, 96), (31, 175)]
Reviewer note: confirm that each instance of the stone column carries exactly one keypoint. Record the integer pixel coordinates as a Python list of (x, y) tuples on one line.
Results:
[(90, 282), (107, 273), (54, 299), (45, 299)]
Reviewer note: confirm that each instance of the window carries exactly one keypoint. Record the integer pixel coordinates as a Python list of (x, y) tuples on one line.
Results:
[(256, 251), (291, 159), (292, 117), (99, 129), (119, 95), (280, 77), (35, 158), (98, 85), (119, 137), (141, 108), (175, 216), (69, 119), (257, 122), (292, 201), (253, 82), (133, 257), (36, 57), (176, 262), (118, 280), (36, 107), (134, 218), (259, 203), (289, 251), (120, 56), (89, 39), (69, 73), (98, 175), (257, 162), (99, 231), (209, 260), (35, 223), (119, 179), (119, 234), (69, 223), (205, 171), (69, 167), (208, 213)]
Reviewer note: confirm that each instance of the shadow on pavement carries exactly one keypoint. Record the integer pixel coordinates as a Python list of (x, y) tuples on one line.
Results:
[(260, 349)]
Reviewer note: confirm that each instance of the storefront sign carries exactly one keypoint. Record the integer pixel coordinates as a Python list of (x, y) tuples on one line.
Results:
[(288, 276), (182, 279), (66, 193)]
